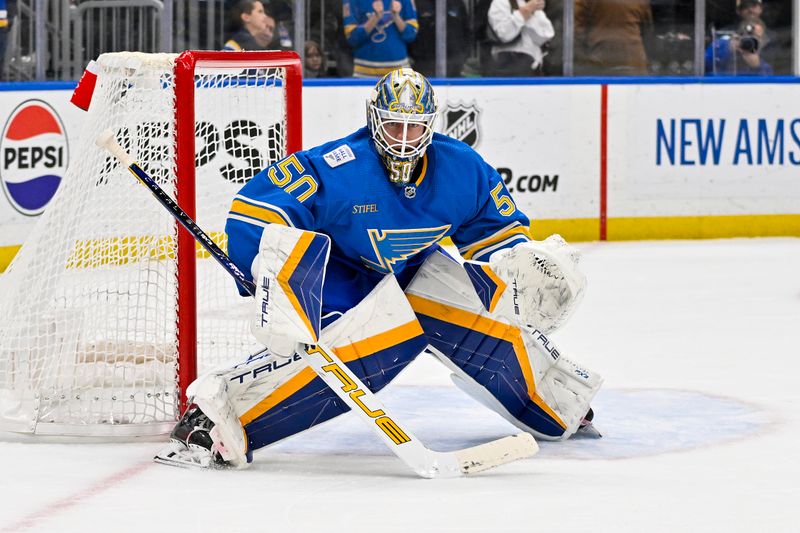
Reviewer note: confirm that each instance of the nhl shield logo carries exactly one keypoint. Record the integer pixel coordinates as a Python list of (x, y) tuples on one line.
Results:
[(411, 191), (461, 122)]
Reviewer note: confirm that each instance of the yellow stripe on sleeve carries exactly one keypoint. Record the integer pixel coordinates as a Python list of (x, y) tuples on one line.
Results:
[(257, 212), (480, 245)]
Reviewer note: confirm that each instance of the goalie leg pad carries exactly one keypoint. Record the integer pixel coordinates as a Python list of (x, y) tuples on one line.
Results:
[(376, 339), (517, 373)]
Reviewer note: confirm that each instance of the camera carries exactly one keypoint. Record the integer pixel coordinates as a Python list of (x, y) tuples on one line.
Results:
[(747, 41)]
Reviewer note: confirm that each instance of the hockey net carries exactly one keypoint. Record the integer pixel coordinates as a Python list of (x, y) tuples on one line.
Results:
[(109, 309)]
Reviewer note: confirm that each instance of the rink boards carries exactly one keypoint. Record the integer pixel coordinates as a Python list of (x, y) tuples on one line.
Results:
[(590, 159)]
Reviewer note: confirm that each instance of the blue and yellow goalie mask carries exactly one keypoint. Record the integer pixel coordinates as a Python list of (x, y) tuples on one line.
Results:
[(400, 114)]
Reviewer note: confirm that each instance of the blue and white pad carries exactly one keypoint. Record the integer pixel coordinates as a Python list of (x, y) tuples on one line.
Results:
[(514, 370), (276, 397), (289, 272)]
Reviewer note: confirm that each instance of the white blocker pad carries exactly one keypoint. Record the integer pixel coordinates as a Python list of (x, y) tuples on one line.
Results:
[(515, 371), (535, 283), (271, 395), (289, 272)]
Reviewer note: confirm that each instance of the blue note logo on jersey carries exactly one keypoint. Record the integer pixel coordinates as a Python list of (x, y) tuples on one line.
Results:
[(34, 156), (395, 245)]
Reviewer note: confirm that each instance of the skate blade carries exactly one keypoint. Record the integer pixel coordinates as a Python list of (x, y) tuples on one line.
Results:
[(180, 456), (589, 431)]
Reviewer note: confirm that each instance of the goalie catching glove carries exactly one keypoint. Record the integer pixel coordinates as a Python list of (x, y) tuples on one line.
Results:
[(535, 283), (289, 271)]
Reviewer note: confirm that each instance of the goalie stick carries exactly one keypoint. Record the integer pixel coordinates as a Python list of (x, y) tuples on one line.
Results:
[(336, 375)]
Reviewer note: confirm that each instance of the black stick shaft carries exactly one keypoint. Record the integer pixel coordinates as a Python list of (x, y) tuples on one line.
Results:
[(192, 227)]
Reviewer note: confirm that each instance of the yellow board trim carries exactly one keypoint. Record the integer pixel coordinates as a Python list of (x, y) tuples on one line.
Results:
[(703, 227), (286, 272), (579, 230), (491, 328), (350, 352)]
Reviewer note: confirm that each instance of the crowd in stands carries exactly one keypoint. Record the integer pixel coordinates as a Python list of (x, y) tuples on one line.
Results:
[(513, 38), (510, 38)]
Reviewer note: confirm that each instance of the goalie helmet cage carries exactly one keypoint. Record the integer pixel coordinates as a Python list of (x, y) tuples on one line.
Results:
[(109, 309)]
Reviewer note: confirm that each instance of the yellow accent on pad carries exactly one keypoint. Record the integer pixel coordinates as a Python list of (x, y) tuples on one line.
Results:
[(491, 328), (379, 342), (294, 384), (480, 245), (347, 353), (286, 272), (258, 212), (501, 286)]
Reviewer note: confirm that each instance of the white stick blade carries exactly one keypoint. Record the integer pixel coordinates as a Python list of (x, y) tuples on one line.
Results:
[(497, 452)]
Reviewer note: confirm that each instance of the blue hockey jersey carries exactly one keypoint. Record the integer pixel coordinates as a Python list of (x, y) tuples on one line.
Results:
[(376, 228)]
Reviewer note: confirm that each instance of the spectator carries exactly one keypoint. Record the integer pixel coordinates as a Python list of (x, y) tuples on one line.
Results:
[(255, 29), (522, 29), (379, 32), (610, 36), (281, 11), (750, 9), (423, 49), (740, 53), (775, 49), (315, 65), (8, 10)]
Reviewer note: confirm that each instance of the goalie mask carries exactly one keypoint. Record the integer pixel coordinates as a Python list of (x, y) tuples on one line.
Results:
[(400, 116)]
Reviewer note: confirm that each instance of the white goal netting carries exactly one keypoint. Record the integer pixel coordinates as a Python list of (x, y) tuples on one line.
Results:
[(89, 308)]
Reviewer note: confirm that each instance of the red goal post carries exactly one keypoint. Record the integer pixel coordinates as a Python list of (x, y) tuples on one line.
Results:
[(185, 67), (109, 310)]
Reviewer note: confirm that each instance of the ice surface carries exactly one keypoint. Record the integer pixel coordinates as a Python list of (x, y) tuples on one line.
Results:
[(698, 342)]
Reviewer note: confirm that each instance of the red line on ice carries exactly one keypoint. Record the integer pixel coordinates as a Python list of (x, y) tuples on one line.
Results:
[(49, 510)]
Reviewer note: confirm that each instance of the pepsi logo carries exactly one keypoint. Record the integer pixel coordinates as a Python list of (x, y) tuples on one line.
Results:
[(33, 156)]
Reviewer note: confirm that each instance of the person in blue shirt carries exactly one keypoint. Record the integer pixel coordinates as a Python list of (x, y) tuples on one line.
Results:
[(385, 196), (739, 54), (379, 32)]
